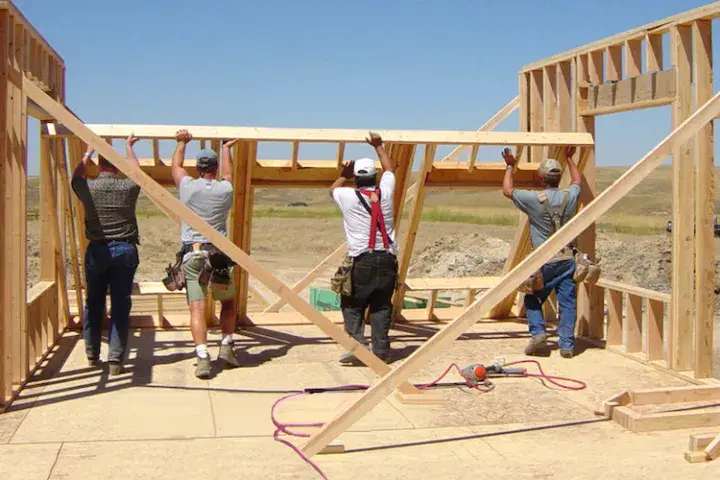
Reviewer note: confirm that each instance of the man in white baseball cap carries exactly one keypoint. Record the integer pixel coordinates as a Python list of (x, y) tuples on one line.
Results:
[(547, 211), (368, 220)]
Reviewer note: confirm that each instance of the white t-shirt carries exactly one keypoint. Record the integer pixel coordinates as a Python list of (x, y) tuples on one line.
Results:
[(356, 220)]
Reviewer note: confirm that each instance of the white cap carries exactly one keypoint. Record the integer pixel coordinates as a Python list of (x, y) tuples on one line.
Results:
[(364, 167)]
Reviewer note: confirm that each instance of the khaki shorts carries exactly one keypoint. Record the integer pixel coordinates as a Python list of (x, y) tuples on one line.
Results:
[(195, 290)]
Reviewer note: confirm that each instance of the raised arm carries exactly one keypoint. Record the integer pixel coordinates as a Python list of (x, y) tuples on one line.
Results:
[(227, 167), (182, 137), (508, 181), (130, 142), (81, 169), (345, 175), (575, 175), (376, 141)]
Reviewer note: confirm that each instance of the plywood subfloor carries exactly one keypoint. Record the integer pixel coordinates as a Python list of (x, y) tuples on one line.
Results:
[(159, 421)]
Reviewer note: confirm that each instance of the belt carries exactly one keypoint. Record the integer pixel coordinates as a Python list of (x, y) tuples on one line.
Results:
[(106, 241)]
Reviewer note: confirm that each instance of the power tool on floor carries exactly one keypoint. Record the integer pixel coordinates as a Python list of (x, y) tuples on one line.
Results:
[(477, 373)]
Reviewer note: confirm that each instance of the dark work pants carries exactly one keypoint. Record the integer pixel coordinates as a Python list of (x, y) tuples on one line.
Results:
[(113, 265), (374, 276)]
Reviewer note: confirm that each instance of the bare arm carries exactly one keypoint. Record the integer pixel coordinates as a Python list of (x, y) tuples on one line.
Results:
[(575, 175), (131, 141), (227, 167), (376, 141), (178, 172), (508, 180), (345, 175), (81, 168)]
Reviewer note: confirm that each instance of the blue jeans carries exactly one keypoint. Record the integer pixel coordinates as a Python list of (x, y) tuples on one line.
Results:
[(557, 276), (113, 265)]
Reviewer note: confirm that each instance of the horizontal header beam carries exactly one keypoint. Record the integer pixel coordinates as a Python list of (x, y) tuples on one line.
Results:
[(440, 137), (321, 173), (710, 11)]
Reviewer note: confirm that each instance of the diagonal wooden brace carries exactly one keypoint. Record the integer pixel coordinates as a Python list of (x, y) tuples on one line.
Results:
[(444, 338), (169, 203)]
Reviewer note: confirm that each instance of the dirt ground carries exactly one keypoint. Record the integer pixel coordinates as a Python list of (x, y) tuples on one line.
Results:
[(290, 247), (443, 249)]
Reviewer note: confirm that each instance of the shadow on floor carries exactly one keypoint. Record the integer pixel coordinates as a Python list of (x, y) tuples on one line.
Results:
[(147, 351)]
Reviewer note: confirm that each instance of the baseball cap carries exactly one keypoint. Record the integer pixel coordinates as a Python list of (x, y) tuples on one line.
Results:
[(206, 158), (364, 167), (550, 166)]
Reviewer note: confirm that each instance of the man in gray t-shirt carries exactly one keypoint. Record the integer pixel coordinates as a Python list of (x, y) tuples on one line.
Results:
[(547, 210), (211, 200)]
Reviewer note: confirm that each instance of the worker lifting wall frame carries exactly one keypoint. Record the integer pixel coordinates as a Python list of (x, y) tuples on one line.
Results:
[(341, 250), (165, 200), (442, 340)]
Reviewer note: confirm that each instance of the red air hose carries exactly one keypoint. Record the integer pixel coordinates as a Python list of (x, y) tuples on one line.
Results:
[(282, 427)]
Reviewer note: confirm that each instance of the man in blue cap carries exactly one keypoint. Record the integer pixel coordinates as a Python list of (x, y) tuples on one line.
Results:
[(202, 263)]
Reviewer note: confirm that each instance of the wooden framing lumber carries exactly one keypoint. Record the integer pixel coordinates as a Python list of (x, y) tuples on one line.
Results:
[(71, 227), (550, 99), (654, 331), (441, 340), (634, 324), (653, 53), (57, 273), (408, 196), (416, 137), (587, 299), (536, 112), (613, 56), (643, 91), (615, 317), (491, 124), (682, 219), (403, 157), (698, 441), (633, 290), (334, 258), (702, 393), (245, 154), (161, 196), (704, 204), (6, 313), (656, 28), (633, 57), (413, 222), (453, 283)]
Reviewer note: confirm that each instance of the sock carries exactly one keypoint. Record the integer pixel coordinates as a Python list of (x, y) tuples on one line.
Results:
[(227, 339), (202, 351)]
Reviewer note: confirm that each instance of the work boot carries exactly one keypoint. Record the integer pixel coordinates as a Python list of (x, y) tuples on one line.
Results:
[(227, 356), (116, 368), (93, 362), (566, 353), (348, 357), (203, 367), (385, 357), (538, 345)]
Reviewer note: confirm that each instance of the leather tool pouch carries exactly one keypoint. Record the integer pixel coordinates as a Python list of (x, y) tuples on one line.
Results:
[(175, 279), (534, 283), (341, 282), (585, 269)]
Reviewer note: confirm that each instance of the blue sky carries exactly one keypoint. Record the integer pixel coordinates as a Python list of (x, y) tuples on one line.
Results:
[(321, 64)]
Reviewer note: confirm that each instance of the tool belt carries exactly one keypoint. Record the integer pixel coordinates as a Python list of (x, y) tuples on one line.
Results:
[(341, 282), (216, 271), (585, 269)]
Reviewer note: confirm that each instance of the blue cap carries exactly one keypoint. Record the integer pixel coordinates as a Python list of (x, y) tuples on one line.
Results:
[(206, 158)]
